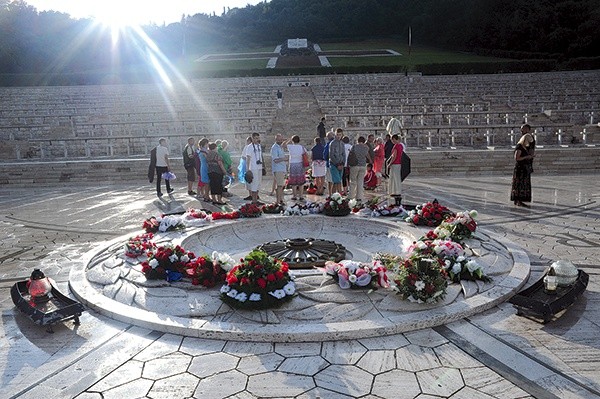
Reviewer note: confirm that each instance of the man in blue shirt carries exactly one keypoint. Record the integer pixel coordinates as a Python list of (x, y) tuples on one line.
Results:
[(337, 159), (278, 166)]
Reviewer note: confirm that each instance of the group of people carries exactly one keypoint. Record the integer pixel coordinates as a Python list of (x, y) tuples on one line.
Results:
[(337, 164), (208, 166)]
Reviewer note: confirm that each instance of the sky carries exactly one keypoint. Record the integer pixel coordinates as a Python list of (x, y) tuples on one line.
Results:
[(137, 11)]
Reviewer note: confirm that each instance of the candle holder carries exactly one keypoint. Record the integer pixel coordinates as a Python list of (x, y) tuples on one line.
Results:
[(550, 284)]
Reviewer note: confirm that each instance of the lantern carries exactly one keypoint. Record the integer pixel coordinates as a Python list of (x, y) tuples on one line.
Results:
[(39, 286)]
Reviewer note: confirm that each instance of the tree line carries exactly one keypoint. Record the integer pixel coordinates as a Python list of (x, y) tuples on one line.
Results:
[(38, 42)]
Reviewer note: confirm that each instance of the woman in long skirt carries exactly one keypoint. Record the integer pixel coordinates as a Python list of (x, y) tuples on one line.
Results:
[(521, 182), (203, 179), (395, 163)]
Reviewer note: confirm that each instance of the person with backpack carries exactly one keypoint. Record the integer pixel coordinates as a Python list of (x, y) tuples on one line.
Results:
[(358, 168), (189, 163)]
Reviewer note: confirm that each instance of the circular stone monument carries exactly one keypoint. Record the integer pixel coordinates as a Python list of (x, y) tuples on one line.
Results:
[(114, 285)]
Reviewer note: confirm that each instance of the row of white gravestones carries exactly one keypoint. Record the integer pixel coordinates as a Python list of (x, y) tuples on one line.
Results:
[(559, 136), (489, 136)]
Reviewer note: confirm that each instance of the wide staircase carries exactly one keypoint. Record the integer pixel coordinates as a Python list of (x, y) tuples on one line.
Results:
[(453, 125), (299, 116)]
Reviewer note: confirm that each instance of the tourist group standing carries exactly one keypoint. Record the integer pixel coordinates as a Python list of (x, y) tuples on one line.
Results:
[(337, 163)]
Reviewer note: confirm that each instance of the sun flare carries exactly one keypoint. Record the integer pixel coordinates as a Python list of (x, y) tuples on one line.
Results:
[(119, 14)]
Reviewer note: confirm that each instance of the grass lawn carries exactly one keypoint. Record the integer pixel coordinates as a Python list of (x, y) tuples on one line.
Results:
[(419, 55), (230, 64), (262, 49)]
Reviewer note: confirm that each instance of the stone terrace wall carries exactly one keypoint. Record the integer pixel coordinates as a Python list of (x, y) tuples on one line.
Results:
[(455, 163)]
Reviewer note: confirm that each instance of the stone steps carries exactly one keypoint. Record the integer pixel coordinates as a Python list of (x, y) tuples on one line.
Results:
[(299, 116)]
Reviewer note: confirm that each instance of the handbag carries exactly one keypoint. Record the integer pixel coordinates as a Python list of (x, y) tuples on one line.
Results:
[(248, 176), (169, 176), (405, 170), (152, 166), (529, 168), (305, 161)]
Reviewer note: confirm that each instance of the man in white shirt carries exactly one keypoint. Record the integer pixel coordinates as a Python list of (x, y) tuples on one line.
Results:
[(254, 163), (162, 165)]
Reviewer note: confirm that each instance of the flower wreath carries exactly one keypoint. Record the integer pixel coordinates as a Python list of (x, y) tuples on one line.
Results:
[(462, 268), (196, 218), (450, 255), (428, 214), (336, 205), (163, 223), (225, 215), (258, 282), (299, 209), (459, 227), (435, 248), (205, 271), (351, 274), (388, 211), (250, 211), (138, 245), (421, 280), (166, 262)]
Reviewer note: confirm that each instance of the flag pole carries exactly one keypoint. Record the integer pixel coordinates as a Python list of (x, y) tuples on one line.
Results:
[(409, 40)]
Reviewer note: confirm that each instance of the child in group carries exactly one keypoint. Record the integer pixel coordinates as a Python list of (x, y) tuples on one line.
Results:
[(370, 179)]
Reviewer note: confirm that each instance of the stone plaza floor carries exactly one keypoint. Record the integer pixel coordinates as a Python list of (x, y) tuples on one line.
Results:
[(493, 354)]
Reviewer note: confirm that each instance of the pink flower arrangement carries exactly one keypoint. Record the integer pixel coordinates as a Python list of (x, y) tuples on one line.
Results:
[(163, 223), (459, 227), (351, 274)]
